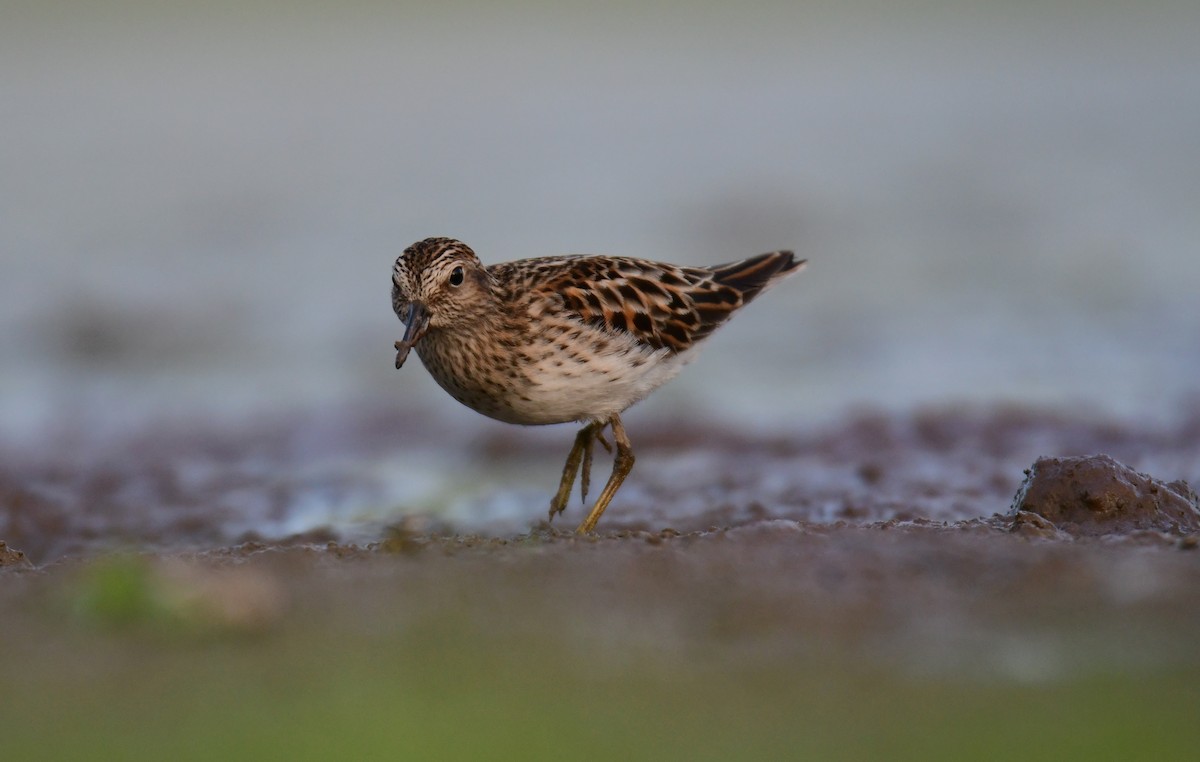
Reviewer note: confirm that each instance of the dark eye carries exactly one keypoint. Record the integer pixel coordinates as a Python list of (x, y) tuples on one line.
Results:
[(456, 276)]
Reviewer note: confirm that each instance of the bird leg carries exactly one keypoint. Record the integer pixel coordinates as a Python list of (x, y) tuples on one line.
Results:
[(581, 455), (585, 471), (622, 465)]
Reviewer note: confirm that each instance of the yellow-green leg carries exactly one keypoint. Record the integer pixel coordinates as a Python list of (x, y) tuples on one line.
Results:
[(622, 465), (581, 455)]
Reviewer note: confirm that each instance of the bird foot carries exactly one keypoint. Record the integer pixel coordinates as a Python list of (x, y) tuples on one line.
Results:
[(579, 461)]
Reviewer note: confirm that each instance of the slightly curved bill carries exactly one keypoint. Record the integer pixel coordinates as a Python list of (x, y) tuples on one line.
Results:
[(416, 322)]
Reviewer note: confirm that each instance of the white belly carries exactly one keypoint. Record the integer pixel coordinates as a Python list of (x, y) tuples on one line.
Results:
[(602, 387)]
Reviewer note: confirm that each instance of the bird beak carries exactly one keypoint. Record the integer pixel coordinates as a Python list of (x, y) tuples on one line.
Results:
[(416, 322)]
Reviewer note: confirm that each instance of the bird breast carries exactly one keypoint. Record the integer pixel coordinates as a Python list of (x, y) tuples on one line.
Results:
[(568, 372)]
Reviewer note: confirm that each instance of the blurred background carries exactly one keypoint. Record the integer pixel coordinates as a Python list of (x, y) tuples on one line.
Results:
[(200, 205)]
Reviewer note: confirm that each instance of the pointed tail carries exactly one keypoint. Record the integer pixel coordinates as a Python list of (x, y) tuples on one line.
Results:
[(754, 275)]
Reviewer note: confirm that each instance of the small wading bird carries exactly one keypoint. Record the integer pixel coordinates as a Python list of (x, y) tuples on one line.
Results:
[(561, 339)]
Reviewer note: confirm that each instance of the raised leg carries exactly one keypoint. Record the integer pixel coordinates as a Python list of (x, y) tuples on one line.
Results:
[(622, 465), (581, 454)]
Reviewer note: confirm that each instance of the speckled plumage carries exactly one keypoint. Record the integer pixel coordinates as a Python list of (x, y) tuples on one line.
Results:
[(569, 338)]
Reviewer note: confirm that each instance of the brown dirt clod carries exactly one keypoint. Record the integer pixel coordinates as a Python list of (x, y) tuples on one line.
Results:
[(11, 556), (1096, 495)]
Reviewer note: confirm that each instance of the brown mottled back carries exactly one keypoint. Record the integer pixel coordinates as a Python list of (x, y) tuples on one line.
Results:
[(663, 306)]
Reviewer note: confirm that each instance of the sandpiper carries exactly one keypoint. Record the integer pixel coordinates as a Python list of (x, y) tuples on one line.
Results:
[(567, 338)]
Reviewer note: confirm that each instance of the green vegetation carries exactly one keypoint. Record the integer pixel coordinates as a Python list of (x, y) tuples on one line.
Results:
[(444, 683)]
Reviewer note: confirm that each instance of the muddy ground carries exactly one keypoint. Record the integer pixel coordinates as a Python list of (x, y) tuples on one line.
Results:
[(876, 586)]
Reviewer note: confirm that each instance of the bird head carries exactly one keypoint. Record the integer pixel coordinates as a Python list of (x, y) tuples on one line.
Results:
[(437, 283)]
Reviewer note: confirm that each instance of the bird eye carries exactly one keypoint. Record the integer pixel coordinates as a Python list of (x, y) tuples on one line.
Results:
[(456, 276)]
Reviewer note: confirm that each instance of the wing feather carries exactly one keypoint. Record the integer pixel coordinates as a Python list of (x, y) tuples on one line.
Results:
[(662, 306)]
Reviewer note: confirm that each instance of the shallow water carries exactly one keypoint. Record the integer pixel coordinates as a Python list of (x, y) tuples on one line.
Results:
[(200, 207)]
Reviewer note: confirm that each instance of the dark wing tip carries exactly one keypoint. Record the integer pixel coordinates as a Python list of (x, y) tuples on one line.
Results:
[(792, 264), (750, 276)]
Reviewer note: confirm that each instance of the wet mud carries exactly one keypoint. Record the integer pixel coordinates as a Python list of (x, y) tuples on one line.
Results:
[(344, 477), (939, 539)]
